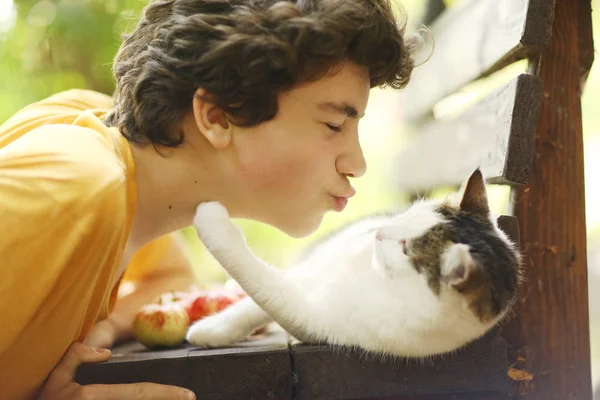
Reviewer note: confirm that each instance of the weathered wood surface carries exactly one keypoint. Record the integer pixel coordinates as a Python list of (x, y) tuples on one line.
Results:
[(509, 225), (433, 9), (549, 335), (496, 134), (586, 39), (475, 39), (259, 370), (272, 369), (325, 372), (457, 396)]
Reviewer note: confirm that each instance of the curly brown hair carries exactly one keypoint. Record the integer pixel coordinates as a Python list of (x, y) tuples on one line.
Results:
[(244, 53)]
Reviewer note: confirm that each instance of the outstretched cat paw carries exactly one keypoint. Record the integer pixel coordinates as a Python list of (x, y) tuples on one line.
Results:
[(214, 226), (211, 210), (211, 332)]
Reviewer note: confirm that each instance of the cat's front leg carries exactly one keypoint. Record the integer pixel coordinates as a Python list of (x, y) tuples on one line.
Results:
[(217, 232), (271, 288), (229, 326)]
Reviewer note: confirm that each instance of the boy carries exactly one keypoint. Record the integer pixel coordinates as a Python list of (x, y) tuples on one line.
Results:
[(254, 103)]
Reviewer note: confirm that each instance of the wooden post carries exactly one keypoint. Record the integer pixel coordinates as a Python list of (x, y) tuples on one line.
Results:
[(549, 335)]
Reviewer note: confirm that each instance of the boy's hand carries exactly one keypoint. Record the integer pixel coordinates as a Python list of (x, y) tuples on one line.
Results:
[(61, 381), (102, 335)]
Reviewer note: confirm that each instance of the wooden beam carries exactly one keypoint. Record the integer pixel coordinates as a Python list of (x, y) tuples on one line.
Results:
[(586, 40), (272, 368), (549, 335), (454, 396), (251, 370), (495, 134), (326, 372), (510, 226), (473, 40), (433, 9)]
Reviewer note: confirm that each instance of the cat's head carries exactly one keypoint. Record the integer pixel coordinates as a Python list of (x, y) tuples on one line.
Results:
[(455, 246)]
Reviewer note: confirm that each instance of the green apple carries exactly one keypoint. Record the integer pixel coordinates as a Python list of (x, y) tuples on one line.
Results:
[(161, 325)]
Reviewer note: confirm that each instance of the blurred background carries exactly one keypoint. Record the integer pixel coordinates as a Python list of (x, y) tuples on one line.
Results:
[(51, 45)]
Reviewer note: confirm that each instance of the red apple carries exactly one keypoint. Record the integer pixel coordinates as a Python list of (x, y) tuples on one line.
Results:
[(177, 296), (161, 325), (225, 299), (211, 302)]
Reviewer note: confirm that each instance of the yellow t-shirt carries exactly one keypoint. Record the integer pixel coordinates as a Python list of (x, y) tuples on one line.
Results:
[(67, 199)]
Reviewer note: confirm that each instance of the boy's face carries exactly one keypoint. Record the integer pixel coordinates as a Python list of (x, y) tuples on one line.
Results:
[(294, 168)]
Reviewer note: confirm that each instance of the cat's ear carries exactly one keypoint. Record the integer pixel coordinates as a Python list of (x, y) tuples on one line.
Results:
[(474, 198), (458, 266)]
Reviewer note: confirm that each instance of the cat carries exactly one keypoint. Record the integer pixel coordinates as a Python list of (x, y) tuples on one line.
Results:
[(424, 282)]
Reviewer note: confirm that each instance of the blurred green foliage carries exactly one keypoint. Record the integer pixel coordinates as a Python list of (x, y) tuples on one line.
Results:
[(56, 45)]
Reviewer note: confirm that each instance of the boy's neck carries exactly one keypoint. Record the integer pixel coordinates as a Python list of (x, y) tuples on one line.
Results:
[(169, 188)]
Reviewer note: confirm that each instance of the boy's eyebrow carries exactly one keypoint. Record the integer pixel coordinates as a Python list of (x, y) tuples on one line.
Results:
[(340, 108)]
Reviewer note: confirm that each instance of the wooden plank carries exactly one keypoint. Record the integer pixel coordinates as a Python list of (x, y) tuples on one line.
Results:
[(509, 225), (251, 370), (433, 9), (586, 39), (458, 396), (327, 372), (549, 335), (496, 134), (473, 40)]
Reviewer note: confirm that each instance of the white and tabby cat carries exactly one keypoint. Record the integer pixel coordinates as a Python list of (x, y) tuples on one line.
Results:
[(423, 282)]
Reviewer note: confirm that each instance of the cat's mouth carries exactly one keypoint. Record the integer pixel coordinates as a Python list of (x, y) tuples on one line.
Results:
[(401, 242)]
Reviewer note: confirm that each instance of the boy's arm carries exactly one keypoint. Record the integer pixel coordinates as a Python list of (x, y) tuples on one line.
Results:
[(171, 270)]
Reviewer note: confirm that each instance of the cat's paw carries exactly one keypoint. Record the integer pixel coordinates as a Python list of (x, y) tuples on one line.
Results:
[(210, 212), (212, 331), (214, 226)]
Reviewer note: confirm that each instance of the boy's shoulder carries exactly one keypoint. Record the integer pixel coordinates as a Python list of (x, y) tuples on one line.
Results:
[(75, 99), (72, 164), (65, 134)]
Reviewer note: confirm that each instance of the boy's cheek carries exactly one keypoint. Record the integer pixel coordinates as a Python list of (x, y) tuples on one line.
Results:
[(277, 174)]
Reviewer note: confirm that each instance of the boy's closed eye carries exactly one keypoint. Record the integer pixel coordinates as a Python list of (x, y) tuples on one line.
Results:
[(334, 128)]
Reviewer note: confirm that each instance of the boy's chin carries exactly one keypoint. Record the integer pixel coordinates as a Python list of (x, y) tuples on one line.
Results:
[(301, 228)]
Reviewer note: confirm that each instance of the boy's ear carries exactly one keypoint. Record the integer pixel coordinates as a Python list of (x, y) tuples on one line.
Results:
[(211, 120)]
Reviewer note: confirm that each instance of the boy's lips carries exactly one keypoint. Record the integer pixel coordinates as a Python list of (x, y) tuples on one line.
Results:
[(342, 201), (348, 193)]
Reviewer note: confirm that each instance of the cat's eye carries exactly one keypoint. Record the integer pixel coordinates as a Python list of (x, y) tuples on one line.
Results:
[(404, 247), (334, 128)]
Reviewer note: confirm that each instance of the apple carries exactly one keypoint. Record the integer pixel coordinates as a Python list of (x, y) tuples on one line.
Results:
[(161, 325), (211, 302), (178, 296)]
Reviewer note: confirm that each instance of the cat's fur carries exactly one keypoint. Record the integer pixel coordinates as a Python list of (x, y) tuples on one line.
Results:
[(423, 282)]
